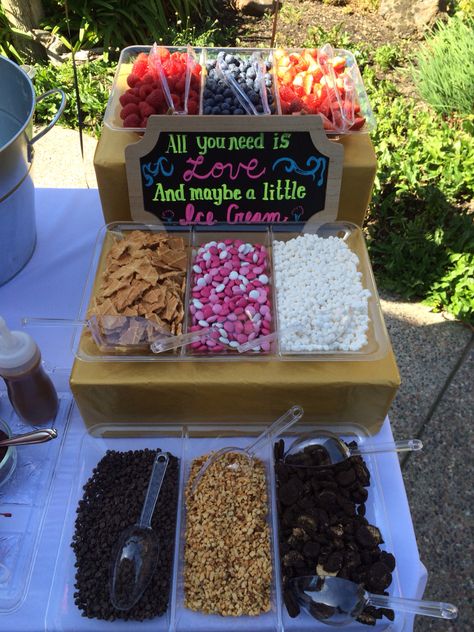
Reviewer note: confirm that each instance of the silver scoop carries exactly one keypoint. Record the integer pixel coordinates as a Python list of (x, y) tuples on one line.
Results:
[(30, 438), (337, 451), (338, 601), (135, 555), (267, 436)]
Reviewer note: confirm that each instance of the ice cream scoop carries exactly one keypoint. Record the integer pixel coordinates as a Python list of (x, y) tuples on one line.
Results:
[(338, 601), (135, 556), (330, 450), (267, 436)]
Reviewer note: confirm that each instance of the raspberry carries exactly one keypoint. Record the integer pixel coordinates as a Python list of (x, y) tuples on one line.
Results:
[(285, 107), (195, 82), (130, 108), (140, 66), (193, 95), (156, 98), (163, 53), (145, 90), (286, 94), (128, 97), (146, 109), (298, 90), (132, 80), (148, 78), (176, 101), (295, 105), (132, 120), (193, 107)]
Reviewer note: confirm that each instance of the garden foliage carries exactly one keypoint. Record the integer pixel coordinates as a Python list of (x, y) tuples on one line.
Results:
[(444, 73)]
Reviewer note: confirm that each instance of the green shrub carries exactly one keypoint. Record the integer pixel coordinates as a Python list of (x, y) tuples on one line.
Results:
[(420, 234), (95, 80), (7, 43), (120, 23), (444, 73)]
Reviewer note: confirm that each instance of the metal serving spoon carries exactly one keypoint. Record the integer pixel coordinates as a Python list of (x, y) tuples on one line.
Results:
[(136, 553), (30, 438), (268, 436), (338, 601), (337, 451)]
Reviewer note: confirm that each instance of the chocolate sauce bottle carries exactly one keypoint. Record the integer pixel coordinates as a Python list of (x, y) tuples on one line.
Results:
[(31, 392)]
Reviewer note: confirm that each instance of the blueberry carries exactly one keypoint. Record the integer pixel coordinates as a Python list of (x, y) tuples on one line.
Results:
[(216, 110), (268, 65), (228, 93), (207, 110), (225, 112), (259, 108), (219, 98), (251, 74), (268, 83), (228, 100), (229, 58), (238, 111), (224, 66)]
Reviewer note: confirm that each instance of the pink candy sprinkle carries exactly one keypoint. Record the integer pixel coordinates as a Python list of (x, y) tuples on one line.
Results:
[(232, 297)]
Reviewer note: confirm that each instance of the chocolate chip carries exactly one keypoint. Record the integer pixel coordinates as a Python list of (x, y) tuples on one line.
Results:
[(289, 492)]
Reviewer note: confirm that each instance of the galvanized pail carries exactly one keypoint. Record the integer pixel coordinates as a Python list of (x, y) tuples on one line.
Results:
[(17, 199)]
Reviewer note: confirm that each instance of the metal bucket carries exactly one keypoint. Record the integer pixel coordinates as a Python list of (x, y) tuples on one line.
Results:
[(17, 197)]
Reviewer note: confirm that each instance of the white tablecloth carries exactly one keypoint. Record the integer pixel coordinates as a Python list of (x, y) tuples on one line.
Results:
[(51, 286)]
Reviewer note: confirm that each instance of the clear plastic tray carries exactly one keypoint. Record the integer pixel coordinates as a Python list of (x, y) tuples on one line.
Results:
[(127, 57), (25, 496), (187, 443), (244, 53), (112, 113), (376, 347), (360, 91)]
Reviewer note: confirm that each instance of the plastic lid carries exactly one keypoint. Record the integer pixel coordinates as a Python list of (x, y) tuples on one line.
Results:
[(16, 347)]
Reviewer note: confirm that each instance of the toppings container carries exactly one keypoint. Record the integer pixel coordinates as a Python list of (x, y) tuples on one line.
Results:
[(377, 338), (187, 443), (24, 495), (124, 67), (128, 55), (360, 94)]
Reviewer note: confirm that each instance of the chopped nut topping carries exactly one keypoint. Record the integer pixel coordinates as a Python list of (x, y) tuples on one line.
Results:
[(228, 569)]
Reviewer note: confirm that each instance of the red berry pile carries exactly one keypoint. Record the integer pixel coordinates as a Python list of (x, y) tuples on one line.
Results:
[(148, 86), (307, 85)]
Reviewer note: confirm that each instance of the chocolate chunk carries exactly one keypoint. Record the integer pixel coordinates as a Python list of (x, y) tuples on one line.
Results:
[(367, 616), (388, 559), (334, 562), (379, 576), (293, 558), (321, 611), (289, 492), (388, 613), (308, 523), (365, 538), (375, 534), (311, 550), (291, 603), (346, 478)]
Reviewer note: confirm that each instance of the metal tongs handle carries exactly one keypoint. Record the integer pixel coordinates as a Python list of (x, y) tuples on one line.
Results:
[(30, 438)]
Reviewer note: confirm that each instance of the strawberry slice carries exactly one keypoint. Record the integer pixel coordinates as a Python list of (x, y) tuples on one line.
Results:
[(308, 84), (338, 63), (358, 123)]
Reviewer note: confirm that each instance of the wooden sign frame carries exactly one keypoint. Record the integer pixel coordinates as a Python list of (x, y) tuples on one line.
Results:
[(212, 126)]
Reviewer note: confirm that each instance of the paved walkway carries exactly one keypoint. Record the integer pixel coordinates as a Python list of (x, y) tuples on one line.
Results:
[(435, 403)]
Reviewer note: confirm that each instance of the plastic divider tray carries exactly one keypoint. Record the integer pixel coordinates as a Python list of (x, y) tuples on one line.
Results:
[(128, 55), (377, 345), (25, 496), (187, 443)]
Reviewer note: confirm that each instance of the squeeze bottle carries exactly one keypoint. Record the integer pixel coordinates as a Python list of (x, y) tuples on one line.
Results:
[(31, 391)]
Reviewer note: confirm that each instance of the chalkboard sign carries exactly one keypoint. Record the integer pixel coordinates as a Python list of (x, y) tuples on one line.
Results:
[(200, 171)]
